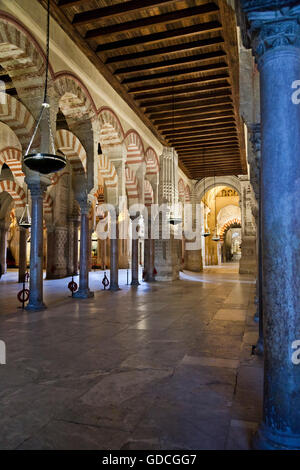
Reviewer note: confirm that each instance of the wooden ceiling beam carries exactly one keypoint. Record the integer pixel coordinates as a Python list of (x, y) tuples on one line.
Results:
[(173, 110), (204, 145), (191, 59), (195, 140), (176, 73), (166, 50), (195, 117), (157, 37), (97, 14), (164, 18), (183, 99), (214, 127), (203, 155), (187, 125), (69, 3), (212, 111), (194, 136), (148, 87), (209, 150), (209, 90)]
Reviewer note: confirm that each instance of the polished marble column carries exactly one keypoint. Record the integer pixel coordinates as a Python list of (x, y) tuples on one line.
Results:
[(22, 253), (149, 250), (114, 258), (84, 290), (36, 302), (3, 247), (275, 38)]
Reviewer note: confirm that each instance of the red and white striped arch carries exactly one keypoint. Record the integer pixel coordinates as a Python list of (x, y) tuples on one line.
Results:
[(15, 191), (148, 193), (187, 194), (13, 159), (228, 224), (108, 172), (71, 146), (75, 99), (135, 148), (111, 131), (131, 184), (18, 118), (20, 54), (181, 190), (152, 165)]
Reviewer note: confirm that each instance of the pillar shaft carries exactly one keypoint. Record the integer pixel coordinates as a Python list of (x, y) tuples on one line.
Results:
[(149, 249), (22, 253), (114, 260), (135, 262), (84, 291), (75, 248), (276, 43), (3, 249), (36, 248)]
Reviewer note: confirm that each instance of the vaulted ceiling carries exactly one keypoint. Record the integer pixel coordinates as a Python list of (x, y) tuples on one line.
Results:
[(175, 62)]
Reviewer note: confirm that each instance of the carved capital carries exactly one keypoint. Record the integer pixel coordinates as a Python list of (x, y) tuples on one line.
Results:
[(37, 190), (274, 28)]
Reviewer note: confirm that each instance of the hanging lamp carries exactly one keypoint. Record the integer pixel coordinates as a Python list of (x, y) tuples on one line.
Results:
[(206, 231), (25, 219), (215, 237), (172, 219), (42, 162)]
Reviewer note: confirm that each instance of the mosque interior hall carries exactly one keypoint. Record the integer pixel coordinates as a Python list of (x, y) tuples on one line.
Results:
[(149, 225)]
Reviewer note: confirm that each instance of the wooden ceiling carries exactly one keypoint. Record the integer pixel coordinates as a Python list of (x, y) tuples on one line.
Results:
[(175, 62)]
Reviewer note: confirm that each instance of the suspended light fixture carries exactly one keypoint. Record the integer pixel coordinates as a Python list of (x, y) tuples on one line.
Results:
[(206, 231), (25, 220), (215, 237), (45, 162)]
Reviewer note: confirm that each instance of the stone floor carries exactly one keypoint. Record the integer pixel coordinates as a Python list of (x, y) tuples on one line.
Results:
[(163, 366)]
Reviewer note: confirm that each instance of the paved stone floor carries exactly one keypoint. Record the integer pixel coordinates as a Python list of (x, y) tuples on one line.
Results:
[(163, 366)]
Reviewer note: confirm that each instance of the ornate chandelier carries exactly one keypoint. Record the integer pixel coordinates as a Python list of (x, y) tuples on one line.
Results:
[(45, 162)]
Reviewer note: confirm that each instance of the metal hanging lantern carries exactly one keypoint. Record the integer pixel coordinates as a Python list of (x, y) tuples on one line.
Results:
[(25, 220), (45, 162)]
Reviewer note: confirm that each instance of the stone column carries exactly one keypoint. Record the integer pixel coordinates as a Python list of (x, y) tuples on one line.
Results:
[(3, 247), (70, 263), (22, 253), (114, 257), (75, 247), (36, 247), (255, 179), (248, 261), (134, 256), (166, 253), (83, 290), (275, 38)]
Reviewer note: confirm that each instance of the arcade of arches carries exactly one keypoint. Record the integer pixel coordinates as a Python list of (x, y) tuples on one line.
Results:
[(173, 355)]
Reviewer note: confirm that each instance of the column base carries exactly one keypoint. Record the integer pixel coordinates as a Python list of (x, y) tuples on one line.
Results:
[(266, 439), (259, 347), (135, 283), (83, 294), (149, 279), (114, 287), (32, 307)]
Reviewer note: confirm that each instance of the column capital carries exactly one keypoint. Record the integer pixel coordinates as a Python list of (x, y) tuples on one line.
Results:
[(37, 189), (270, 28)]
